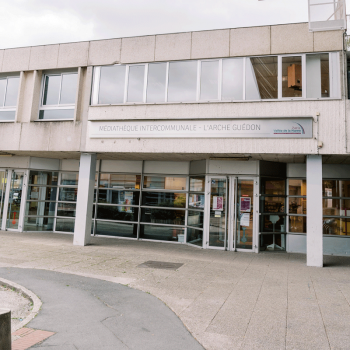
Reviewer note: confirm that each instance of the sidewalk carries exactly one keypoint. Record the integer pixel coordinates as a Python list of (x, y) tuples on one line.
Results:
[(227, 300)]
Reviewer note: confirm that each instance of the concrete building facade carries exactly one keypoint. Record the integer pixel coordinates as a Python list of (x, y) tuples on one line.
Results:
[(233, 139)]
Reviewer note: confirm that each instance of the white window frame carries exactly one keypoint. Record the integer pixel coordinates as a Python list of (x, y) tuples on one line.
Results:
[(58, 106), (4, 108)]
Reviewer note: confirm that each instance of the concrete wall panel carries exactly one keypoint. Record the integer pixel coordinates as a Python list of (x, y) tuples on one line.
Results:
[(35, 136), (1, 58), (291, 38), (121, 166), (73, 55), (328, 41), (208, 44), (44, 163), (296, 170), (69, 165), (138, 49), (10, 135), (14, 162), (43, 57), (103, 52), (250, 41), (65, 136), (16, 60), (233, 167), (175, 168), (170, 47)]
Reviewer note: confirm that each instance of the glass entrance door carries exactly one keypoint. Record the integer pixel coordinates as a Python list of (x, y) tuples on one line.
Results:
[(231, 223), (14, 200), (3, 182)]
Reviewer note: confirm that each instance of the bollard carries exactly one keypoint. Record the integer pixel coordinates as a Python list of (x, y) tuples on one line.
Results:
[(5, 329)]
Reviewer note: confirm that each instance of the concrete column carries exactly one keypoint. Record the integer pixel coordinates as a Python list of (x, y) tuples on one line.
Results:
[(87, 171), (5, 329), (314, 236)]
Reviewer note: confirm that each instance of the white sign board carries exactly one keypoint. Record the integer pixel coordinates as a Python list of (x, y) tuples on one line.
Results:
[(209, 128)]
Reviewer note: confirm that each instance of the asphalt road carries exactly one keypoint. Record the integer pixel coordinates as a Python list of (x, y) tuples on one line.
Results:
[(93, 314)]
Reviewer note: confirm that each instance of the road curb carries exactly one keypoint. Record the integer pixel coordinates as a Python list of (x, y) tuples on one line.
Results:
[(27, 294)]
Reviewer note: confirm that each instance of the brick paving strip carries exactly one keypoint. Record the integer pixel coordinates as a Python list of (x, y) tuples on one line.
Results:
[(25, 337)]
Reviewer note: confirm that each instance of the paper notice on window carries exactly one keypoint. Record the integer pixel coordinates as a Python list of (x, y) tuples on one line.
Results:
[(245, 219), (246, 204), (218, 203), (128, 200)]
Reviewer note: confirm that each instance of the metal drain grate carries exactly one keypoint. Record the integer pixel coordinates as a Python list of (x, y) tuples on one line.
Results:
[(161, 265)]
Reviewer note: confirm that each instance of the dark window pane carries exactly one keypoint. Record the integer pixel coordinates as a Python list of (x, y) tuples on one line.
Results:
[(116, 181), (66, 209), (136, 83), (117, 213), (195, 237), (38, 224), (164, 183), (67, 194), (182, 81), (56, 114), (273, 242), (12, 92), (69, 179), (7, 115), (265, 71), (52, 90), (297, 224), (104, 228), (40, 208), (112, 83), (156, 82), (272, 223), (69, 88), (161, 233), (65, 225), (336, 188), (336, 226), (195, 218), (273, 187), (272, 204), (119, 197), (163, 216), (297, 205), (164, 199)]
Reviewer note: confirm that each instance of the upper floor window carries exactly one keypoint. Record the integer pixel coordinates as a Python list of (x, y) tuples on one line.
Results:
[(58, 96), (8, 97), (282, 77)]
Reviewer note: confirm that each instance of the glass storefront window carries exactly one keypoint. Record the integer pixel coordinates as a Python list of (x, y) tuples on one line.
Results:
[(195, 237), (38, 224), (272, 204), (162, 233), (273, 223), (69, 179), (68, 194), (196, 200), (120, 181), (43, 178), (42, 193), (297, 187), (40, 208), (336, 226), (331, 206), (165, 183), (164, 199), (273, 187), (297, 205), (269, 242), (117, 213), (163, 216), (66, 209), (297, 224), (336, 188), (118, 197), (195, 218), (197, 184), (105, 228), (65, 225)]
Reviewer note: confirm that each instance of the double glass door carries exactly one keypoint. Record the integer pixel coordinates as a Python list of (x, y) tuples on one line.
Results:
[(11, 190), (232, 213)]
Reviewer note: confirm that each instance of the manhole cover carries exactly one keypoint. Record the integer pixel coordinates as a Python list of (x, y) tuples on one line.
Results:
[(161, 265)]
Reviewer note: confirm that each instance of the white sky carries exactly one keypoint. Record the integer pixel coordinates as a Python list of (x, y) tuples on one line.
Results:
[(37, 22)]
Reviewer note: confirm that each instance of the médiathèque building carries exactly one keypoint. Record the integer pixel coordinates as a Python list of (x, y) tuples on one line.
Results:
[(234, 139)]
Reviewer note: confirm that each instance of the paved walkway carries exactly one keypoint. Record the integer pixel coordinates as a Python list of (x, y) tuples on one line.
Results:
[(227, 300)]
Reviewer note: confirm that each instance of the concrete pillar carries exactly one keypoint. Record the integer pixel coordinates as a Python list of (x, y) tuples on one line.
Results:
[(314, 236), (83, 219), (5, 329)]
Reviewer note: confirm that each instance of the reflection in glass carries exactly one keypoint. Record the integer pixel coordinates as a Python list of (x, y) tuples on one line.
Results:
[(156, 82), (112, 83), (69, 179), (104, 228), (65, 225), (272, 223), (182, 86), (40, 208), (108, 212), (209, 80), (196, 200), (164, 199), (317, 75), (274, 187), (128, 181), (12, 92), (3, 182), (265, 71), (162, 233), (56, 114), (292, 76), (163, 216), (52, 90), (272, 204), (251, 84), (332, 207), (3, 83), (232, 79), (7, 115), (119, 197), (38, 224), (336, 226), (197, 184), (336, 188), (195, 218), (69, 88), (297, 205), (136, 83), (195, 237), (165, 183), (68, 194), (42, 193), (66, 209), (15, 198), (297, 224), (43, 178), (297, 187)]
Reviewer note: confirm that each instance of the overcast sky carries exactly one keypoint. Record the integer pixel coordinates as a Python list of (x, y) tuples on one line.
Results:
[(37, 22)]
